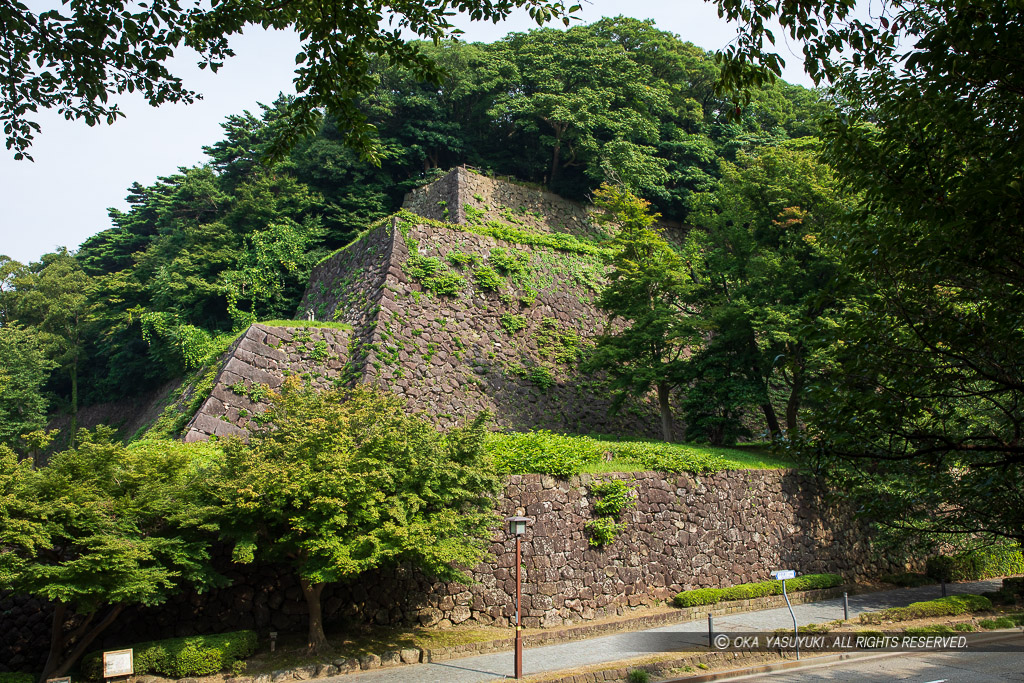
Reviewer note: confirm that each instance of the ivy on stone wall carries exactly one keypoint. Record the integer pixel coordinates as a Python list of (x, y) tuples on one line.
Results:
[(611, 498)]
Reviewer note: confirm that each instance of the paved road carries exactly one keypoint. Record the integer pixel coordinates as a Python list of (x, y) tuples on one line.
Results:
[(627, 645), (1005, 664)]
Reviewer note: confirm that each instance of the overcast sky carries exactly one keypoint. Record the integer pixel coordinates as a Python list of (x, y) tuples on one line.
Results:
[(62, 197)]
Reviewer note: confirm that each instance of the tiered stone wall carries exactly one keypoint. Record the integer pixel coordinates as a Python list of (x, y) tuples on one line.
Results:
[(260, 360), (685, 532)]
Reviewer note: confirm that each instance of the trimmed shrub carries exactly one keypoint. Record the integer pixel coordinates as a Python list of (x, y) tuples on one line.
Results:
[(963, 628), (746, 591), (1001, 622), (16, 678), (940, 607), (181, 657), (976, 564)]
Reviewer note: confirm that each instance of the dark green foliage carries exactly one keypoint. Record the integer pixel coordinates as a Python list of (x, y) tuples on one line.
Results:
[(746, 591), (638, 676), (940, 607), (338, 455), (182, 657), (206, 250), (98, 529), (6, 677), (976, 564), (24, 369)]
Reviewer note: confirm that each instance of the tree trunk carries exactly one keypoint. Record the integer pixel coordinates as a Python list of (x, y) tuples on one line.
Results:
[(312, 591), (56, 640), (666, 412), (74, 401), (554, 162), (793, 404), (57, 664), (771, 419)]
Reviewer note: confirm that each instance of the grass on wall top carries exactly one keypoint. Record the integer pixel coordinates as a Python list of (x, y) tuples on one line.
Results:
[(307, 323), (544, 452)]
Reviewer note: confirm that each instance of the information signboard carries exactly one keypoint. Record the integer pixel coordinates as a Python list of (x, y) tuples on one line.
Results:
[(117, 663)]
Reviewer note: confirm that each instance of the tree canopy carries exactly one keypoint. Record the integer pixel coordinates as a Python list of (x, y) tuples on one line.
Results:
[(342, 482), (76, 58), (94, 532)]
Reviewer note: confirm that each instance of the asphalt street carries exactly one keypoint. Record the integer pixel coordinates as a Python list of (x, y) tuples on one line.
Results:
[(628, 645)]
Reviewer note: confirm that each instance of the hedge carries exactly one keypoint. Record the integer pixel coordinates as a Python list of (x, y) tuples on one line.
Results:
[(976, 564), (16, 678), (745, 591), (940, 607), (181, 657)]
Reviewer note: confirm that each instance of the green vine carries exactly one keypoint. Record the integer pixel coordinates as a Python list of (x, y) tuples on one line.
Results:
[(611, 498)]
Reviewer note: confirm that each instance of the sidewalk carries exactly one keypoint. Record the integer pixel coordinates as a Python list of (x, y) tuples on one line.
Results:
[(627, 645)]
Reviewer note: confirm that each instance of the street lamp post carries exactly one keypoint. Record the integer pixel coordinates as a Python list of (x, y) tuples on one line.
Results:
[(517, 527)]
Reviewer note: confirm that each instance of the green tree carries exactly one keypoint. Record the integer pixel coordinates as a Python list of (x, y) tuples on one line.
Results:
[(650, 329), (75, 58), (24, 370), (921, 417), (767, 281), (346, 481), (92, 533), (52, 298)]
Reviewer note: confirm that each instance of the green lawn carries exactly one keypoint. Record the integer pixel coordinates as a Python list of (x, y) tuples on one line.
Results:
[(544, 452)]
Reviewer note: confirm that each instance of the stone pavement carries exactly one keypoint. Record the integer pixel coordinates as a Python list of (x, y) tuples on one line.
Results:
[(628, 645)]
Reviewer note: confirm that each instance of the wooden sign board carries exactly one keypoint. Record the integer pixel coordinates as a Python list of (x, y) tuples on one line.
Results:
[(117, 663), (66, 679)]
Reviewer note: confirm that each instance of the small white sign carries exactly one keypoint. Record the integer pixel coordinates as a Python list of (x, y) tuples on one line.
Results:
[(783, 574), (117, 663), (65, 679)]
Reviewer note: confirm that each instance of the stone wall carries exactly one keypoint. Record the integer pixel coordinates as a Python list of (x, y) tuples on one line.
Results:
[(685, 532), (260, 360)]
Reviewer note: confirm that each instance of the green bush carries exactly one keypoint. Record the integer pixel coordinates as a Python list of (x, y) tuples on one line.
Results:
[(963, 628), (974, 565), (638, 676), (509, 261), (1001, 622), (512, 323), (603, 530), (488, 279), (746, 591), (610, 499), (1014, 585), (181, 657), (940, 607), (16, 678), (446, 284)]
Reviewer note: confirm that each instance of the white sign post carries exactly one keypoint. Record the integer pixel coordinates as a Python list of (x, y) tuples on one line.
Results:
[(782, 575), (117, 663)]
